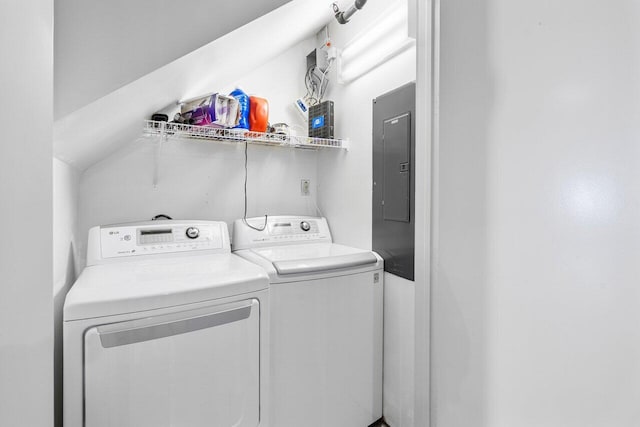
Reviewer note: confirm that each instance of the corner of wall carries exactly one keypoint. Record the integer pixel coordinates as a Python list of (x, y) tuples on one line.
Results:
[(66, 181)]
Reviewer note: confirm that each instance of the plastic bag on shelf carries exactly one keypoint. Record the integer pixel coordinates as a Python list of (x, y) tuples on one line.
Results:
[(212, 110)]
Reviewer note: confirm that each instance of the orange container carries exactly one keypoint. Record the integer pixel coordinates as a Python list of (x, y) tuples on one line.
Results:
[(258, 114)]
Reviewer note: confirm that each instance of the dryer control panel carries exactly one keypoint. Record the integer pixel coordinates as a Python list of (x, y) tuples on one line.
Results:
[(279, 230), (155, 238)]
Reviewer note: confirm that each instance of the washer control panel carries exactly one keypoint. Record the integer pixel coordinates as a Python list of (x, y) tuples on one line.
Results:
[(256, 232), (305, 226), (157, 237), (294, 228)]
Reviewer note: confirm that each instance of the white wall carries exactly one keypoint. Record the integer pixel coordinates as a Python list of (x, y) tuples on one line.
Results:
[(26, 118), (427, 30), (204, 180), (346, 178), (66, 181), (345, 182), (535, 298)]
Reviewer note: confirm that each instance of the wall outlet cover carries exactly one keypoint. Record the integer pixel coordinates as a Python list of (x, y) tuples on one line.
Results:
[(305, 187)]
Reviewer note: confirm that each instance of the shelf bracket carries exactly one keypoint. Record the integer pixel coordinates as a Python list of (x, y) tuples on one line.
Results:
[(162, 137)]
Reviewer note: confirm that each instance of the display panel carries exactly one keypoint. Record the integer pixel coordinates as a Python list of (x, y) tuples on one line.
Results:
[(155, 235)]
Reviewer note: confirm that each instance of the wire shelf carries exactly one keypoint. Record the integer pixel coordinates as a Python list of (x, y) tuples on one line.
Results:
[(206, 133)]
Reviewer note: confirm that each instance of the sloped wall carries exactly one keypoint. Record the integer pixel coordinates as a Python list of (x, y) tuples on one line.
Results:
[(204, 180), (101, 128), (102, 46)]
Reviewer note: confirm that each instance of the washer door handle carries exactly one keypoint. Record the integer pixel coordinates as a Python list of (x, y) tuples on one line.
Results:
[(152, 328)]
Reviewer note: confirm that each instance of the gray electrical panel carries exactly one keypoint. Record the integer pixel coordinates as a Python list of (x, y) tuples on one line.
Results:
[(394, 179)]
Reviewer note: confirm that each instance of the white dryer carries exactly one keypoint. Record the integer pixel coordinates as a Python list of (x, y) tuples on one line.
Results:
[(165, 327), (326, 322)]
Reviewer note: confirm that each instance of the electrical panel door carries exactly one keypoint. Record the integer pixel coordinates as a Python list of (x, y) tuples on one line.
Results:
[(396, 138), (394, 179)]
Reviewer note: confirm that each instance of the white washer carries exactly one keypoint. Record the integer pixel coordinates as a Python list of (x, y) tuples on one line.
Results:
[(165, 327), (326, 322)]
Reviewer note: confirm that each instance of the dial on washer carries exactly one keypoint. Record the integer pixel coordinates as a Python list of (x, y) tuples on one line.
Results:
[(192, 232), (305, 226)]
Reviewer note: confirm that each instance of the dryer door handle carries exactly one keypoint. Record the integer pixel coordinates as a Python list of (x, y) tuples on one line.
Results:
[(118, 334)]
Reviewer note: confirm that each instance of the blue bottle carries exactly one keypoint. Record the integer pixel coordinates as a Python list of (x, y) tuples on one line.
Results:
[(243, 101)]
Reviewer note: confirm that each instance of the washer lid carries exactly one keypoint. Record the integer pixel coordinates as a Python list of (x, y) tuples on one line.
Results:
[(315, 258), (110, 289)]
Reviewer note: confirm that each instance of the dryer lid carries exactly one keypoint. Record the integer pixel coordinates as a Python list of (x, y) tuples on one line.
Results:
[(111, 289)]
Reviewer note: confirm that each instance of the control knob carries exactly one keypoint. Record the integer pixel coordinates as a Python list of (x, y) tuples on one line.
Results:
[(192, 232), (305, 226)]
